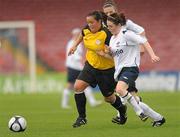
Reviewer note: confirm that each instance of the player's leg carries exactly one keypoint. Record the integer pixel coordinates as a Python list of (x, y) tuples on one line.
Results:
[(122, 90), (90, 97), (126, 78), (72, 74), (85, 78), (157, 118), (107, 84), (80, 100), (115, 101), (65, 96)]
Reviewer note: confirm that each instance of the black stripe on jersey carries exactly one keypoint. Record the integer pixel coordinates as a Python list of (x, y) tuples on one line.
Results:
[(124, 31)]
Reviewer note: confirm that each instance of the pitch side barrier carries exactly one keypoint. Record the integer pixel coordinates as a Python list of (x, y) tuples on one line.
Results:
[(147, 81), (159, 81)]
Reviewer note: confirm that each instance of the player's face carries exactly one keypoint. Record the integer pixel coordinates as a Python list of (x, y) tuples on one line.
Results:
[(109, 10), (93, 24), (114, 29)]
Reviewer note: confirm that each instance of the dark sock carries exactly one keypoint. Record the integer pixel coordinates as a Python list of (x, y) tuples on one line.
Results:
[(81, 104), (119, 106)]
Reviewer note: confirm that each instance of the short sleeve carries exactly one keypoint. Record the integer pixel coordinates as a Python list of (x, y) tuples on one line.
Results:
[(135, 38)]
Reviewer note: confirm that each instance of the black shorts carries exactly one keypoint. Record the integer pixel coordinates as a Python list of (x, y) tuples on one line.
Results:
[(103, 78), (72, 75), (129, 75)]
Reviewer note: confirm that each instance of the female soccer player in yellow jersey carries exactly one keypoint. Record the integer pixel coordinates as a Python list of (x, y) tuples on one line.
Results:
[(98, 70)]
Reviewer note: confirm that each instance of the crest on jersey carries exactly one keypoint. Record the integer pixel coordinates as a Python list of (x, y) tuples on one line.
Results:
[(98, 42)]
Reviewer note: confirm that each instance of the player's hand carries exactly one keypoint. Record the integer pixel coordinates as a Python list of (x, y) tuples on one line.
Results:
[(100, 52), (155, 59), (107, 49), (72, 50)]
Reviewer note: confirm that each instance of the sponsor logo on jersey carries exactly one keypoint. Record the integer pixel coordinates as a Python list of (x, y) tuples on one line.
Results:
[(118, 52)]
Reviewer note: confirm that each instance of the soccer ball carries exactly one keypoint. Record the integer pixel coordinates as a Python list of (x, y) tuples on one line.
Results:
[(17, 124)]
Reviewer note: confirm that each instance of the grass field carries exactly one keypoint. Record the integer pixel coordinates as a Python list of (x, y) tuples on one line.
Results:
[(45, 118)]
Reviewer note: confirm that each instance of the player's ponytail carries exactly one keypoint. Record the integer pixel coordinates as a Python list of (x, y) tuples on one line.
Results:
[(103, 16), (122, 18)]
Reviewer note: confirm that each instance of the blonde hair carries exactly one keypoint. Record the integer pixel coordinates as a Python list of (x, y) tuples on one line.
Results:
[(109, 3)]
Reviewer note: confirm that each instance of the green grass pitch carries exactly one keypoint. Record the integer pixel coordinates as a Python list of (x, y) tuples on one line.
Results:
[(45, 118)]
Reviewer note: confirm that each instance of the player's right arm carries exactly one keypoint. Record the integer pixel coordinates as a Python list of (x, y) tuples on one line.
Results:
[(133, 37), (75, 44)]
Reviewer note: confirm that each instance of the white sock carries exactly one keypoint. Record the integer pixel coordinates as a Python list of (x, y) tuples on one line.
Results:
[(65, 97), (128, 97), (89, 95), (150, 112)]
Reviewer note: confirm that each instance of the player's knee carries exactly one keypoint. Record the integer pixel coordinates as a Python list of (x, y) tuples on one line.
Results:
[(120, 91), (79, 87)]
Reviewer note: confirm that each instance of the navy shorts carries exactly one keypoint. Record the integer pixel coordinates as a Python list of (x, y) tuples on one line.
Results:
[(72, 75), (103, 78), (129, 76)]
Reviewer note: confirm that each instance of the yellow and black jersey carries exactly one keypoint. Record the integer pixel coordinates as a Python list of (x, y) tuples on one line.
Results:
[(94, 42)]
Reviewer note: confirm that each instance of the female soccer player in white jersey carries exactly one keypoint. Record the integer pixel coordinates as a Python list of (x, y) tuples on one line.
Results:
[(74, 65), (125, 49), (110, 7)]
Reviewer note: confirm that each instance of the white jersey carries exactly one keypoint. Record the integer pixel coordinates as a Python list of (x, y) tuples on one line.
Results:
[(130, 25), (74, 61), (125, 49)]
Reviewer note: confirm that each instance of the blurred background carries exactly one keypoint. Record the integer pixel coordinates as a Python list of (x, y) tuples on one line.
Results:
[(34, 34)]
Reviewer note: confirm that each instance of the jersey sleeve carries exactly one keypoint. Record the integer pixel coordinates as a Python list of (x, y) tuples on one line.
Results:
[(135, 38), (108, 36), (130, 25)]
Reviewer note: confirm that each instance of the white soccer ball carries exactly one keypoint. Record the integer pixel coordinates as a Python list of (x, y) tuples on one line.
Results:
[(17, 124)]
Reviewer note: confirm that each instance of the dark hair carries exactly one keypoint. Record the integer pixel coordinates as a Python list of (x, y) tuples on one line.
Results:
[(109, 3), (117, 18), (103, 16), (97, 15)]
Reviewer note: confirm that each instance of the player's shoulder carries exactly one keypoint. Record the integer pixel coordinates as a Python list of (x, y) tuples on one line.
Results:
[(127, 33), (85, 30)]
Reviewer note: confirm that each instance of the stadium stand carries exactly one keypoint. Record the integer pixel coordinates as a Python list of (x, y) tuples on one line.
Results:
[(54, 20)]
